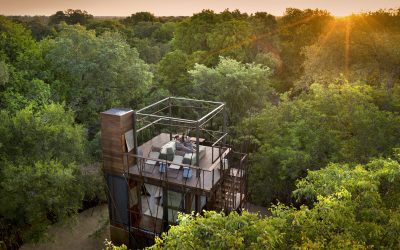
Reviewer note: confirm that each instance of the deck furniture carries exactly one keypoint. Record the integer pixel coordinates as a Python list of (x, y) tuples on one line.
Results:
[(187, 172), (150, 164), (190, 158)]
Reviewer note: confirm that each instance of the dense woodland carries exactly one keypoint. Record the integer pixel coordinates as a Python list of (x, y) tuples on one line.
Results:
[(317, 97)]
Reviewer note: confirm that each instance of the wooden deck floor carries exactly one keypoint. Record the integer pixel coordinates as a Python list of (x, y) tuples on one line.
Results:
[(209, 174)]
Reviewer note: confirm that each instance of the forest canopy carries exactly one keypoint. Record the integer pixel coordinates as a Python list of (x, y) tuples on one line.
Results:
[(316, 97)]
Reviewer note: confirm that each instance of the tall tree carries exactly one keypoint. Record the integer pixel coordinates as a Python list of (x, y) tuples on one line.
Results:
[(335, 123), (17, 46), (139, 17), (93, 73), (359, 53), (244, 87), (39, 152), (190, 35), (172, 72), (70, 16), (352, 208), (296, 29)]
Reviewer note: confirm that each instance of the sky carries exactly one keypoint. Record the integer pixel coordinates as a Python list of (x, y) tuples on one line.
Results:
[(187, 7)]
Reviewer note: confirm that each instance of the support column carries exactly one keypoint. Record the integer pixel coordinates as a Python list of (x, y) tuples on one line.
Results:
[(114, 124)]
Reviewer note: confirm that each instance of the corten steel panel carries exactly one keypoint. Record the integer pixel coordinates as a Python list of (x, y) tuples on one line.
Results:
[(114, 124), (119, 236), (118, 199), (113, 144)]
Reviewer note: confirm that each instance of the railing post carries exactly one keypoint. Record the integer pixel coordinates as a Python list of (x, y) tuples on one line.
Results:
[(170, 120), (224, 124), (135, 143), (212, 179), (197, 149)]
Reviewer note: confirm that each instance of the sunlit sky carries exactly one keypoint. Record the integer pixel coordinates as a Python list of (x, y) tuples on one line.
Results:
[(187, 7)]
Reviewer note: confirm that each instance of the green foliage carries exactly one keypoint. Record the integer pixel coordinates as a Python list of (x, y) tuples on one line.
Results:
[(367, 55), (39, 28), (102, 26), (47, 134), (38, 25), (149, 51), (172, 72), (335, 123), (216, 231), (372, 199), (244, 87), (4, 73), (38, 194), (230, 39), (190, 35), (145, 29), (352, 208), (17, 91), (52, 91), (70, 16), (229, 34), (39, 177), (165, 32), (139, 17), (92, 74), (17, 46), (296, 29)]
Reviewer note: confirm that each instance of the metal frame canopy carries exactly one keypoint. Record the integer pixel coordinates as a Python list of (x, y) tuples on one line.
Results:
[(166, 112)]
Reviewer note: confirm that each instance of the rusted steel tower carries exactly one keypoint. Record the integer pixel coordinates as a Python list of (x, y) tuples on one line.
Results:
[(171, 156)]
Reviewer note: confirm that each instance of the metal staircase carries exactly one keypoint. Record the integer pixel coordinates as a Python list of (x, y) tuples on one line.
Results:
[(231, 192)]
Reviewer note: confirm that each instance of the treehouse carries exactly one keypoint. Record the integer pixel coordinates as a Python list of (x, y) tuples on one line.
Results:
[(171, 156)]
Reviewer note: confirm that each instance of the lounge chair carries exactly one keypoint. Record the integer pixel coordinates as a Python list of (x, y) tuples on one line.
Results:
[(190, 158), (178, 159), (150, 164), (167, 151)]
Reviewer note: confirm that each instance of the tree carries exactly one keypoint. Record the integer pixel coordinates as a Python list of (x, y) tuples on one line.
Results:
[(172, 72), (20, 68), (70, 16), (244, 87), (35, 196), (334, 123), (148, 51), (102, 26), (368, 55), (146, 29), (77, 16), (191, 34), (17, 47), (37, 24), (165, 32), (264, 34), (230, 39), (39, 184), (17, 92), (216, 231), (57, 18), (41, 135), (296, 29), (92, 74), (368, 192), (351, 208), (139, 17)]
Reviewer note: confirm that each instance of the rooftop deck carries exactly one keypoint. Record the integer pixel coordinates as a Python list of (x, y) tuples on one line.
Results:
[(207, 177)]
